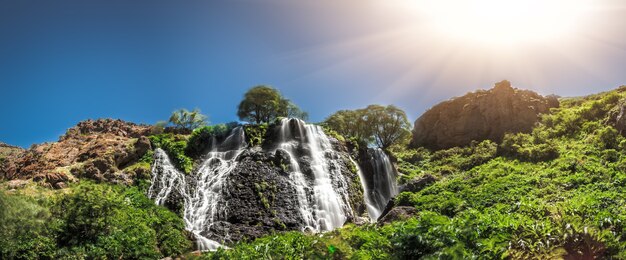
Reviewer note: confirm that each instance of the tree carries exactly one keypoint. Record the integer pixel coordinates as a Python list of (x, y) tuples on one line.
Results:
[(350, 123), (264, 104), (389, 125), (186, 119), (292, 111), (380, 125)]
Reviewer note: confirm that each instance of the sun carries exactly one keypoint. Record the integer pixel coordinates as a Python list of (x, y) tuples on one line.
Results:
[(503, 22)]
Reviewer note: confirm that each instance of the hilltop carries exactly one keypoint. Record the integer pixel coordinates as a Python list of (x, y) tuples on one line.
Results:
[(481, 115)]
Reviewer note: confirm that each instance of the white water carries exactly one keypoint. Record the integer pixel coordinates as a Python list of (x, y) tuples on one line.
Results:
[(383, 185), (321, 188), (323, 198), (203, 202), (372, 211)]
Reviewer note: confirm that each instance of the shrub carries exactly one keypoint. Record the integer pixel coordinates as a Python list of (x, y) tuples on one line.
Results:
[(175, 147), (26, 228), (201, 138), (523, 147), (255, 134), (101, 221)]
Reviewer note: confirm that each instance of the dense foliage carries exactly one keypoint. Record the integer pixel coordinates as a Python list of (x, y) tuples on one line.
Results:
[(557, 192), (380, 125), (174, 146), (263, 104), (92, 221)]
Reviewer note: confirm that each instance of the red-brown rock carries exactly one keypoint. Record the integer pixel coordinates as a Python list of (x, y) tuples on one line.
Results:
[(481, 115), (96, 149)]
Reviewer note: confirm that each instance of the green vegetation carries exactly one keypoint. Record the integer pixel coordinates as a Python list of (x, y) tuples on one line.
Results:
[(263, 104), (91, 221), (174, 146), (186, 119), (201, 137), (557, 192), (383, 126), (255, 134)]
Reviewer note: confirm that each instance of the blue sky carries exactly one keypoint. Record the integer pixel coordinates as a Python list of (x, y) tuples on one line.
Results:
[(66, 61)]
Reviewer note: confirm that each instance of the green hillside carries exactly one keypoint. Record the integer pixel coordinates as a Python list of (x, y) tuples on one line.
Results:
[(558, 192)]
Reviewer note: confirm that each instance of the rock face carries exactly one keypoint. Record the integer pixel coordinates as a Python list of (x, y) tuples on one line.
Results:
[(480, 115), (96, 149)]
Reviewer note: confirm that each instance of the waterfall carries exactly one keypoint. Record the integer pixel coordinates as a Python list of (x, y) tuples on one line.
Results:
[(381, 186), (323, 197), (314, 168), (372, 211), (203, 201)]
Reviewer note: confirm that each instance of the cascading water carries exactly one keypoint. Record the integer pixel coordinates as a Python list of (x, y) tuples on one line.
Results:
[(314, 171), (372, 211), (322, 197), (203, 202), (382, 186)]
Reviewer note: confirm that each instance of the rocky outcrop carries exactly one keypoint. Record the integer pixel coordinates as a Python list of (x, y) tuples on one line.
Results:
[(96, 149), (481, 115), (397, 214), (620, 121), (8, 150), (260, 200), (419, 184)]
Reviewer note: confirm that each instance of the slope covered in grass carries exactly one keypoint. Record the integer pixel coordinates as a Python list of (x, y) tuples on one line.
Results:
[(557, 192)]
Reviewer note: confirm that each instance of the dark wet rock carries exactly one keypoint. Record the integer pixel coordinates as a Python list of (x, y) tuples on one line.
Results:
[(388, 207), (397, 214), (418, 184)]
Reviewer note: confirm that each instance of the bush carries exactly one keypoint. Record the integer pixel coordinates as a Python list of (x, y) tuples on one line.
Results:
[(26, 228), (200, 139), (523, 147), (255, 134), (102, 221), (174, 146)]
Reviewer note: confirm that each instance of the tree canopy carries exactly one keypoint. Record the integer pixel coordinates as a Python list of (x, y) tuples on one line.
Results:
[(186, 119), (264, 103), (380, 125)]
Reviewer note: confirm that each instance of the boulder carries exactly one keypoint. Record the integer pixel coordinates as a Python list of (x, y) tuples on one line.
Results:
[(418, 184), (396, 214), (481, 115)]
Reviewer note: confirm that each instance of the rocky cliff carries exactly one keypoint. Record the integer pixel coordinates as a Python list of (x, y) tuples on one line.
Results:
[(481, 115), (96, 149)]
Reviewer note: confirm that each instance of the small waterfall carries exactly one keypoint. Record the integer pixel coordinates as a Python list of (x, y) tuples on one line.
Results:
[(323, 196), (382, 185), (372, 211), (203, 202)]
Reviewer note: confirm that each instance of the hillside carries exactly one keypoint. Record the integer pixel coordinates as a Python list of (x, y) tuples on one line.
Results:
[(556, 192), (114, 189), (8, 150)]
